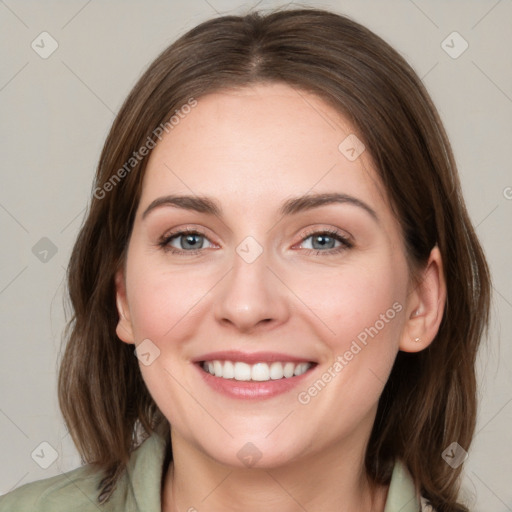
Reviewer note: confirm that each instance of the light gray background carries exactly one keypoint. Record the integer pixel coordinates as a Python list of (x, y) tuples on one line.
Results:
[(55, 115)]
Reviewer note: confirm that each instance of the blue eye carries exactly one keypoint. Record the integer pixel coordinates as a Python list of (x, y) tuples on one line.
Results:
[(192, 242), (189, 241), (325, 241)]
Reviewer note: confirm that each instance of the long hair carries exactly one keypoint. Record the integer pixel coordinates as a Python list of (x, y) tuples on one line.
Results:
[(429, 400)]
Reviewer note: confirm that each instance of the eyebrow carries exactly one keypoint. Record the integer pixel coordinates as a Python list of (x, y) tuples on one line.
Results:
[(208, 205)]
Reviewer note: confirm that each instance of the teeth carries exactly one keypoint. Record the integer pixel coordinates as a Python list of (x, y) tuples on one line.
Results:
[(289, 370), (259, 372), (242, 371), (228, 371), (217, 367), (301, 368), (277, 371)]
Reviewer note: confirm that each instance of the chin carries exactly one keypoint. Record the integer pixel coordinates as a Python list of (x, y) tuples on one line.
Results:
[(257, 453)]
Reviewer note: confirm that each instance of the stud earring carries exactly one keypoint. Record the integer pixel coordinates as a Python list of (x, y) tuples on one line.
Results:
[(417, 340)]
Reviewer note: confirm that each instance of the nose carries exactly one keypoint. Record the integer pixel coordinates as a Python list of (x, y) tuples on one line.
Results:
[(252, 296)]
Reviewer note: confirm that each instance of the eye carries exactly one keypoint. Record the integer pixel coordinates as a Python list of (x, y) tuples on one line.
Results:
[(192, 241), (189, 241), (325, 242)]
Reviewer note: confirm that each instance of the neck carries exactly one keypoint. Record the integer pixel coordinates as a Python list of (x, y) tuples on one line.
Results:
[(334, 480)]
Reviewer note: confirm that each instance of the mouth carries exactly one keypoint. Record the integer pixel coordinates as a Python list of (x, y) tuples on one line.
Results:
[(249, 376), (258, 372)]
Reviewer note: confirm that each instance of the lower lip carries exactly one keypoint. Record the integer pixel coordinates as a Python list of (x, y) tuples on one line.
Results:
[(251, 390)]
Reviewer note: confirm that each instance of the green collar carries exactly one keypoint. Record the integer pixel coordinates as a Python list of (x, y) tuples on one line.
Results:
[(402, 493)]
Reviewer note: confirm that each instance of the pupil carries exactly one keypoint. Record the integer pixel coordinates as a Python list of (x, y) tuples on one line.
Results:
[(190, 241), (323, 237)]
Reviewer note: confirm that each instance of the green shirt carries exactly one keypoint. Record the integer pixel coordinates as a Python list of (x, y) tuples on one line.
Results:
[(139, 488)]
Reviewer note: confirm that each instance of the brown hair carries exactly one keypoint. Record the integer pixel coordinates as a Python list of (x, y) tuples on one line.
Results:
[(430, 398)]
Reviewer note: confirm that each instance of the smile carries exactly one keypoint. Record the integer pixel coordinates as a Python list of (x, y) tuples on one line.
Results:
[(253, 376), (259, 372)]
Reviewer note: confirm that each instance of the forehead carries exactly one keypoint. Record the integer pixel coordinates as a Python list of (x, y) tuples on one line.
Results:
[(253, 146)]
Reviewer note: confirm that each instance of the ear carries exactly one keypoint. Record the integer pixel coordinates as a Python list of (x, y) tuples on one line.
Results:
[(425, 306), (124, 328)]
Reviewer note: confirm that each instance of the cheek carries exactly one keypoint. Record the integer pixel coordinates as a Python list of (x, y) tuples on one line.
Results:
[(355, 302), (362, 308), (161, 301), (365, 312)]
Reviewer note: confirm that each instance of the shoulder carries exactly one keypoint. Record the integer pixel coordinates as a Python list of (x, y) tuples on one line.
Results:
[(78, 490), (75, 490)]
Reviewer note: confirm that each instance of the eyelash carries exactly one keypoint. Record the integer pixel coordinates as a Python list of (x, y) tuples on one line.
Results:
[(331, 233)]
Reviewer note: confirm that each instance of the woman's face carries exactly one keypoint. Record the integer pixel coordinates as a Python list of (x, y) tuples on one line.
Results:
[(301, 286)]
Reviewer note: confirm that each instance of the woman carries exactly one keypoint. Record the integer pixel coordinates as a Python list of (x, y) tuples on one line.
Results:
[(277, 229)]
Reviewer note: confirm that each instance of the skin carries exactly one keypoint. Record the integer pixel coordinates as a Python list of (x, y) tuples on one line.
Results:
[(251, 149)]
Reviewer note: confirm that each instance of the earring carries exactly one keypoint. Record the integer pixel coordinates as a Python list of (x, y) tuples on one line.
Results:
[(417, 340)]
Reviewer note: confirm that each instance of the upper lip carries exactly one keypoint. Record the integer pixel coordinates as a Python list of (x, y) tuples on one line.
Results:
[(250, 358)]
